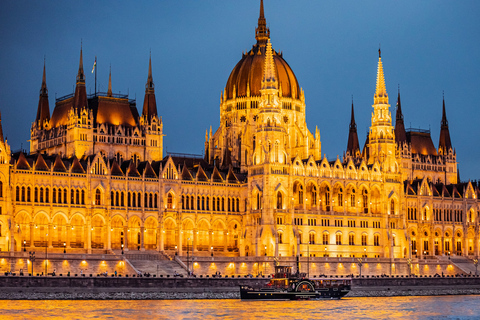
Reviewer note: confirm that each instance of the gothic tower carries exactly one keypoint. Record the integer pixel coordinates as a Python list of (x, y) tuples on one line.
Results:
[(382, 135)]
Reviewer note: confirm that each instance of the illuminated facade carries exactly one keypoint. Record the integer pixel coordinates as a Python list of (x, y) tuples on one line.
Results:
[(96, 178)]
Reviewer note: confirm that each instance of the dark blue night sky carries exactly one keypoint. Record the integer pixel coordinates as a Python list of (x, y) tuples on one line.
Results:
[(427, 47)]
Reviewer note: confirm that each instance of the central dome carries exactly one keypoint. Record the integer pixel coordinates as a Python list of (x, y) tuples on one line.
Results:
[(248, 73)]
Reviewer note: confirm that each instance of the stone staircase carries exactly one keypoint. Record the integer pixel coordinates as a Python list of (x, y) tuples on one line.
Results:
[(155, 263), (464, 264)]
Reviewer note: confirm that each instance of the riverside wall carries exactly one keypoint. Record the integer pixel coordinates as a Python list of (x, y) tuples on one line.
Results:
[(133, 288)]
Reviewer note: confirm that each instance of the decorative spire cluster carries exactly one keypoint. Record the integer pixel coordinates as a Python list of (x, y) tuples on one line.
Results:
[(381, 96), (269, 73)]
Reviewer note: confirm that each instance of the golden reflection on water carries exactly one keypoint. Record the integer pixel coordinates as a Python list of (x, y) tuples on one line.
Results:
[(444, 307)]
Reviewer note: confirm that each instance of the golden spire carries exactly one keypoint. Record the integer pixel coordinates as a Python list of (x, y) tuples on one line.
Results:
[(109, 92), (381, 96), (269, 73), (262, 33)]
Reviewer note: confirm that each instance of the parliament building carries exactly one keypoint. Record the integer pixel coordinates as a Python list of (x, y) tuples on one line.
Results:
[(96, 178)]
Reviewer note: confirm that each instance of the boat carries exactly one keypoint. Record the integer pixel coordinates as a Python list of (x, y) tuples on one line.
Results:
[(285, 285)]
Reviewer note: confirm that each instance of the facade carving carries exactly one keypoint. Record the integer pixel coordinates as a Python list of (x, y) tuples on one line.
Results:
[(96, 178)]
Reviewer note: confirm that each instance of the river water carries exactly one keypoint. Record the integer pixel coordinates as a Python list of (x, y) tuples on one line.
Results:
[(435, 307)]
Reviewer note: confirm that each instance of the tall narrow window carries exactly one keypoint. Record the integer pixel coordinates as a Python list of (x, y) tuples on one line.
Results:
[(98, 195)]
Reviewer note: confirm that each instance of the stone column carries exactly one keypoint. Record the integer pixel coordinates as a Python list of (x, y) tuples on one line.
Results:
[(109, 235), (32, 230), (210, 240), (125, 238), (157, 238), (69, 235), (179, 241), (225, 240), (142, 238), (50, 235), (89, 236), (161, 232), (195, 240)]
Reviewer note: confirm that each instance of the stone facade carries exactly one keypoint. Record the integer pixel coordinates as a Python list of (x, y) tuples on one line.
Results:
[(96, 179)]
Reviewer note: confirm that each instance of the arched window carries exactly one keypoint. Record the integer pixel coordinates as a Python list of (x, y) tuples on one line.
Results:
[(238, 205), (279, 200), (208, 203), (83, 196), (129, 199), (122, 199), (203, 203), (29, 194), (170, 201), (376, 240), (1, 189), (23, 194), (338, 239), (223, 204), (98, 195), (365, 201), (340, 197), (300, 194), (392, 206), (112, 198), (117, 198), (351, 239), (156, 200), (183, 202), (65, 194), (325, 237), (280, 237), (35, 195), (311, 238), (77, 196), (17, 193), (47, 195), (352, 198)]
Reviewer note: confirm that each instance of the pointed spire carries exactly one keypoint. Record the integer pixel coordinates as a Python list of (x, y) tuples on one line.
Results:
[(269, 73), (81, 74), (150, 84), (353, 147), (381, 96), (445, 143), (262, 33), (43, 110), (400, 133), (109, 92), (80, 98), (43, 89), (149, 102)]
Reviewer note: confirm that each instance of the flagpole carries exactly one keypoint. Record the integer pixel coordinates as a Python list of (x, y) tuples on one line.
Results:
[(95, 76)]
